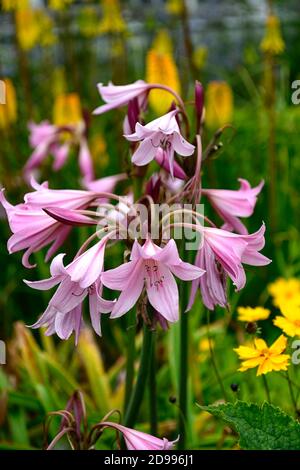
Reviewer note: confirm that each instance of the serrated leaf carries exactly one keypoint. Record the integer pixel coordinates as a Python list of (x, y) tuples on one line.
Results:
[(260, 427)]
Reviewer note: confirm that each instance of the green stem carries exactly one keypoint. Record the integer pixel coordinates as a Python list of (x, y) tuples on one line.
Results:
[(183, 364), (131, 330), (292, 395), (213, 360), (268, 395), (152, 390), (139, 389)]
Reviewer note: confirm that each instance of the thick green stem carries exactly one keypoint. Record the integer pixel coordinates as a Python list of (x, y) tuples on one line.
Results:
[(152, 390), (139, 389), (131, 330)]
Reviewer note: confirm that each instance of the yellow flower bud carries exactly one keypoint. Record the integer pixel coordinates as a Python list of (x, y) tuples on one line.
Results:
[(112, 21), (174, 7), (161, 68), (34, 27), (8, 109), (219, 104), (59, 4), (67, 110), (88, 22), (9, 5), (272, 42)]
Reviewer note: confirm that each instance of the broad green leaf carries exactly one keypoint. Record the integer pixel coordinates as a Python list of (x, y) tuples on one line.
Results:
[(260, 427)]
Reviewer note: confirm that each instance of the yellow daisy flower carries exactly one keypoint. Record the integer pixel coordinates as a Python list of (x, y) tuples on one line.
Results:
[(285, 290), (265, 358), (252, 314), (289, 322)]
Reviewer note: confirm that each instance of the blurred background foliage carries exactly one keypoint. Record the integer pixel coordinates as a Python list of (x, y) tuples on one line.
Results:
[(246, 54)]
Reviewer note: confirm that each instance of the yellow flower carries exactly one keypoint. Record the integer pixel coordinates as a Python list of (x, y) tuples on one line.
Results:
[(88, 21), (34, 27), (250, 314), (285, 290), (9, 5), (204, 344), (99, 151), (289, 322), (200, 56), (112, 21), (59, 83), (161, 68), (59, 4), (174, 7), (67, 110), (219, 104), (272, 42), (8, 109), (266, 358), (204, 348)]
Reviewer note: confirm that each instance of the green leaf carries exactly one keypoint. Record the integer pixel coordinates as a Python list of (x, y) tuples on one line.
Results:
[(260, 427)]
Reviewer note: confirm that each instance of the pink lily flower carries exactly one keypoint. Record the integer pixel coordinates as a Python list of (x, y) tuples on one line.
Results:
[(152, 267), (162, 133), (233, 204), (32, 228), (137, 440), (224, 253), (161, 158), (46, 138), (79, 279), (106, 184), (116, 96)]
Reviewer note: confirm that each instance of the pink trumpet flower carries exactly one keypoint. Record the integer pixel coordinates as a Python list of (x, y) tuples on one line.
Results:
[(230, 204), (79, 279), (116, 96), (162, 159), (46, 139), (162, 133), (152, 267), (224, 253), (137, 440), (32, 228)]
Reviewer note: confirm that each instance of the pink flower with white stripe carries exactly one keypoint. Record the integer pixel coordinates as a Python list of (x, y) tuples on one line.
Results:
[(161, 134), (79, 279), (230, 204), (138, 440), (46, 139), (32, 228), (223, 254), (116, 96), (151, 267)]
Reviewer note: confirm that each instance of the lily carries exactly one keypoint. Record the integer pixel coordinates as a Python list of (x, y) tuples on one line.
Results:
[(161, 134), (153, 267)]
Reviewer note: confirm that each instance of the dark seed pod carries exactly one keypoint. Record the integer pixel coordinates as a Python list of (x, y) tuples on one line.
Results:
[(251, 328), (234, 387)]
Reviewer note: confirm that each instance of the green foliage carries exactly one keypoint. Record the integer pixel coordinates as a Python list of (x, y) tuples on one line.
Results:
[(264, 427)]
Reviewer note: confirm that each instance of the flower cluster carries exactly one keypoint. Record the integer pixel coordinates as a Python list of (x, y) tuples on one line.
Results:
[(148, 279)]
